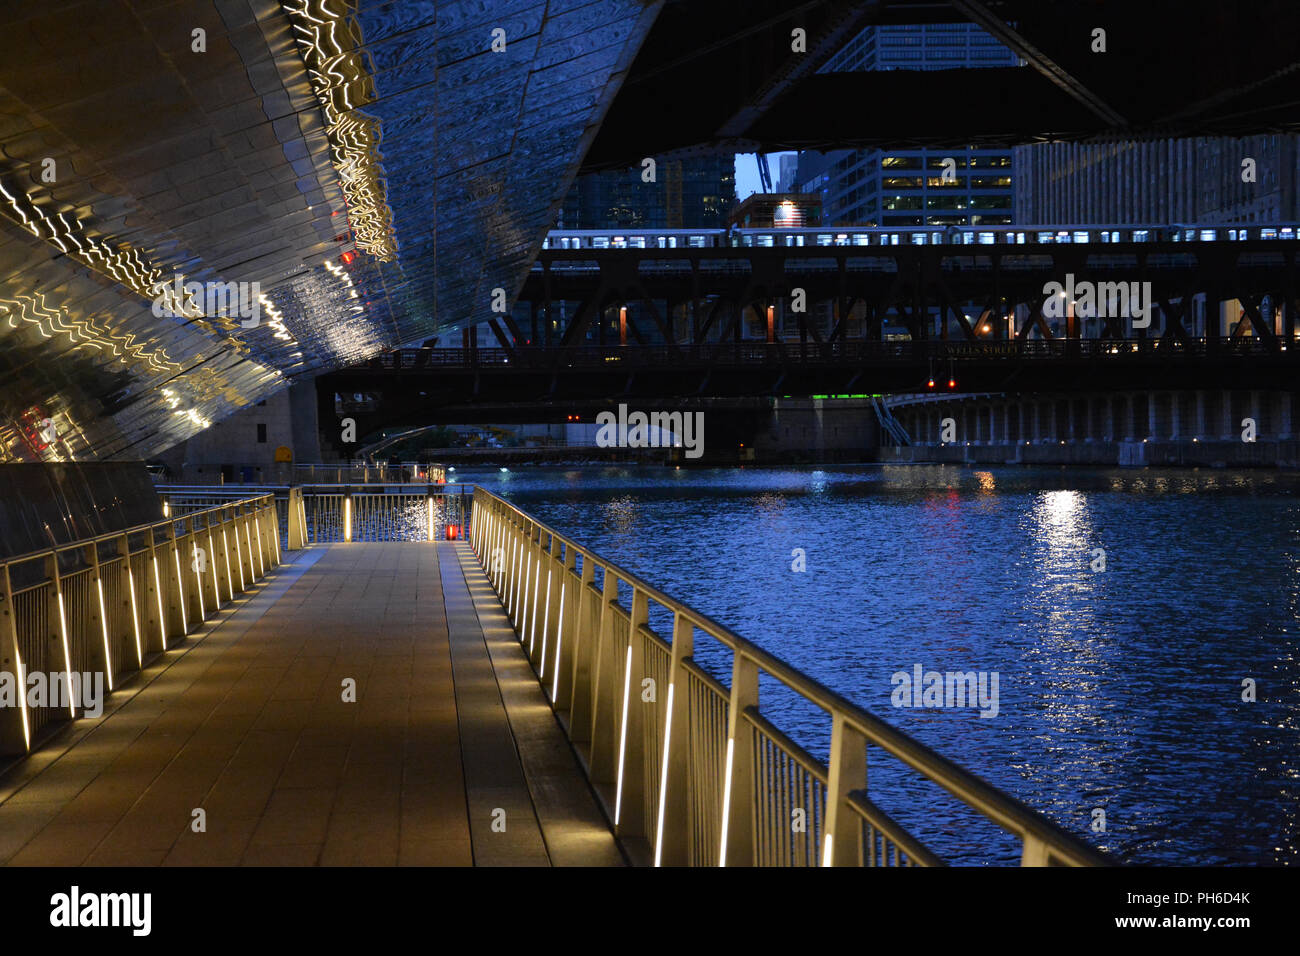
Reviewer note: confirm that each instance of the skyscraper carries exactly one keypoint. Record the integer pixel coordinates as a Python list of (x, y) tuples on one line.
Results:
[(914, 187), (688, 193), (1207, 179)]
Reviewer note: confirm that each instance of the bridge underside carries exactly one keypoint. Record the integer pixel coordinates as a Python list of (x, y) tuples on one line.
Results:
[(449, 732), (1163, 69)]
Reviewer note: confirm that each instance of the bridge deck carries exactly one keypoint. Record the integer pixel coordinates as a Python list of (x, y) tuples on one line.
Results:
[(247, 722)]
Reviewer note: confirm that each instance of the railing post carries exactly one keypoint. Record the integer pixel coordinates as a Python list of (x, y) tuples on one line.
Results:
[(128, 587), (178, 620), (737, 848), (348, 515), (15, 727), (672, 841), (629, 800), (295, 514), (604, 717), (100, 650), (562, 686), (554, 569), (585, 631), (536, 616), (842, 835), (154, 600), (212, 564), (56, 618), (1034, 852)]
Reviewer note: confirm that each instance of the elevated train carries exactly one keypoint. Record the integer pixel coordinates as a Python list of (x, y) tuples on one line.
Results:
[(561, 239)]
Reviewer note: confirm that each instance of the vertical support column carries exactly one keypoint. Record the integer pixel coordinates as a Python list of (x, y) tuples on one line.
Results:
[(606, 670), (629, 799), (586, 625), (672, 839), (348, 515), (1200, 415), (1176, 415), (175, 623), (132, 601), (155, 636), (15, 726), (100, 650), (737, 848), (552, 578), (565, 632), (58, 620), (842, 843), (1153, 415), (213, 570)]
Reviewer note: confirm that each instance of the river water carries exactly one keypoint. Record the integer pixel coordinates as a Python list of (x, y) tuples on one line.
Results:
[(1119, 690)]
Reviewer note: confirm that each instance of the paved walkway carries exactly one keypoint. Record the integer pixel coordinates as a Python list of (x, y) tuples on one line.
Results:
[(448, 735)]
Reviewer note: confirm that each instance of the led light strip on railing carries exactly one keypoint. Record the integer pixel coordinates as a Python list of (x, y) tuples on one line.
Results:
[(515, 577), (256, 535)]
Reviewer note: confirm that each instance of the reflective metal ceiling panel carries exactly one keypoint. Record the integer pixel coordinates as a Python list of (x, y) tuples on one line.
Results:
[(202, 200)]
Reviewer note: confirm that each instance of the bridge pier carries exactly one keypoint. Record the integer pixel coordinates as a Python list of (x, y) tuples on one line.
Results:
[(1200, 427)]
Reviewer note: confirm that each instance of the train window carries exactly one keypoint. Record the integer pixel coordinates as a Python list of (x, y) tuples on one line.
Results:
[(1268, 233), (1288, 232), (600, 242), (1081, 235), (1141, 235), (637, 242), (1020, 238), (767, 240), (546, 243), (1063, 236), (893, 238), (1046, 237), (747, 240), (1209, 235), (696, 242), (861, 239), (1232, 235), (987, 239), (824, 239), (918, 238)]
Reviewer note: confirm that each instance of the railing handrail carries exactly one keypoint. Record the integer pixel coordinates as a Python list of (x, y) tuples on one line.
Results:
[(982, 796), (134, 529)]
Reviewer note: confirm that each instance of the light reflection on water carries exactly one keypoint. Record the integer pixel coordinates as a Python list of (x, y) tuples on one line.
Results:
[(1119, 690)]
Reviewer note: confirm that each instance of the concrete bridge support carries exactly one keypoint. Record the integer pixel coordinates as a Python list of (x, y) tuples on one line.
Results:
[(1247, 427)]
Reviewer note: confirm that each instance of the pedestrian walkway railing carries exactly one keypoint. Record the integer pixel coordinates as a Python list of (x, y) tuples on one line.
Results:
[(326, 514), (96, 610), (700, 775)]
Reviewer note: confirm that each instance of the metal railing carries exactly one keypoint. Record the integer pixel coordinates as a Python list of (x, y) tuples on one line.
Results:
[(325, 514), (700, 776), (106, 605), (285, 473), (781, 353)]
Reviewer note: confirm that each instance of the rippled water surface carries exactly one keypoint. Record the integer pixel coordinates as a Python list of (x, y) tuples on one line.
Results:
[(1119, 690)]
